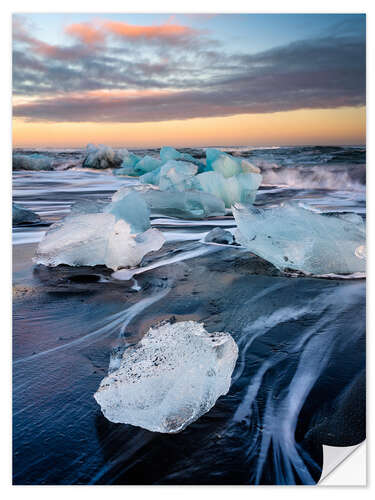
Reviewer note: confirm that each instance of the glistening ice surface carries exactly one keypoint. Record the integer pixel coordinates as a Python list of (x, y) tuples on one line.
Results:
[(295, 238), (169, 379)]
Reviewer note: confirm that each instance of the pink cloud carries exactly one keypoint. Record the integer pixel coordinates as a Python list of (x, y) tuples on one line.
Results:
[(86, 33), (90, 34), (163, 31)]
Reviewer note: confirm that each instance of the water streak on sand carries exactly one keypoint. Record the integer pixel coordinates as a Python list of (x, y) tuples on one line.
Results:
[(127, 274), (121, 318)]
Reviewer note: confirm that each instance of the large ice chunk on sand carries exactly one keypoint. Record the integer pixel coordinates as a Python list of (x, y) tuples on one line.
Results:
[(22, 215), (34, 161), (129, 205), (101, 157), (228, 165), (292, 237), (96, 239), (170, 378), (239, 188)]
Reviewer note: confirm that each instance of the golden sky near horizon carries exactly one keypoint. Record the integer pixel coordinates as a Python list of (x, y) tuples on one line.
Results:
[(307, 126)]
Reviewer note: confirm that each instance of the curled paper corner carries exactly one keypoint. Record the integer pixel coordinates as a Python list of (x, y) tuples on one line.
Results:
[(344, 465)]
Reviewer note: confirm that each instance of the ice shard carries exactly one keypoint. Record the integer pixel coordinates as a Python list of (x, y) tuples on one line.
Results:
[(169, 379), (295, 238)]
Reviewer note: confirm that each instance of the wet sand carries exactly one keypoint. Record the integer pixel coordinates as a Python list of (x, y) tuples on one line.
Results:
[(67, 320)]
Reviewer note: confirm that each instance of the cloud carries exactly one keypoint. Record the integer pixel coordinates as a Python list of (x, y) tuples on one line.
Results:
[(168, 31), (85, 33), (117, 72)]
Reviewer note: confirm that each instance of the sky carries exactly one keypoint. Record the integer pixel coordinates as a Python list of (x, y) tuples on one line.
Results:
[(148, 80)]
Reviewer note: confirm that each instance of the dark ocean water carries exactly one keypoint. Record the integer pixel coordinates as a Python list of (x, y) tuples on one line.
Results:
[(300, 378)]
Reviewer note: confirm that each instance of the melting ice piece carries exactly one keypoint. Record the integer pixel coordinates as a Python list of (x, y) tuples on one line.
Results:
[(129, 205), (219, 235), (170, 378), (177, 175), (168, 153), (96, 239), (22, 215), (292, 237), (239, 188), (32, 162), (102, 157)]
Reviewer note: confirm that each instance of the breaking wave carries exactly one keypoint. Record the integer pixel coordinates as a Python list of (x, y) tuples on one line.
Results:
[(316, 177)]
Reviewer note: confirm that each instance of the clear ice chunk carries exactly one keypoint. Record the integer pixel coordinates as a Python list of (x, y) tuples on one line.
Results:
[(96, 239), (22, 215), (295, 238), (239, 188), (170, 378)]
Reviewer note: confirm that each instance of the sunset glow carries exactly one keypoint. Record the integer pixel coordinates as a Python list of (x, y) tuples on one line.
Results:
[(149, 80)]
